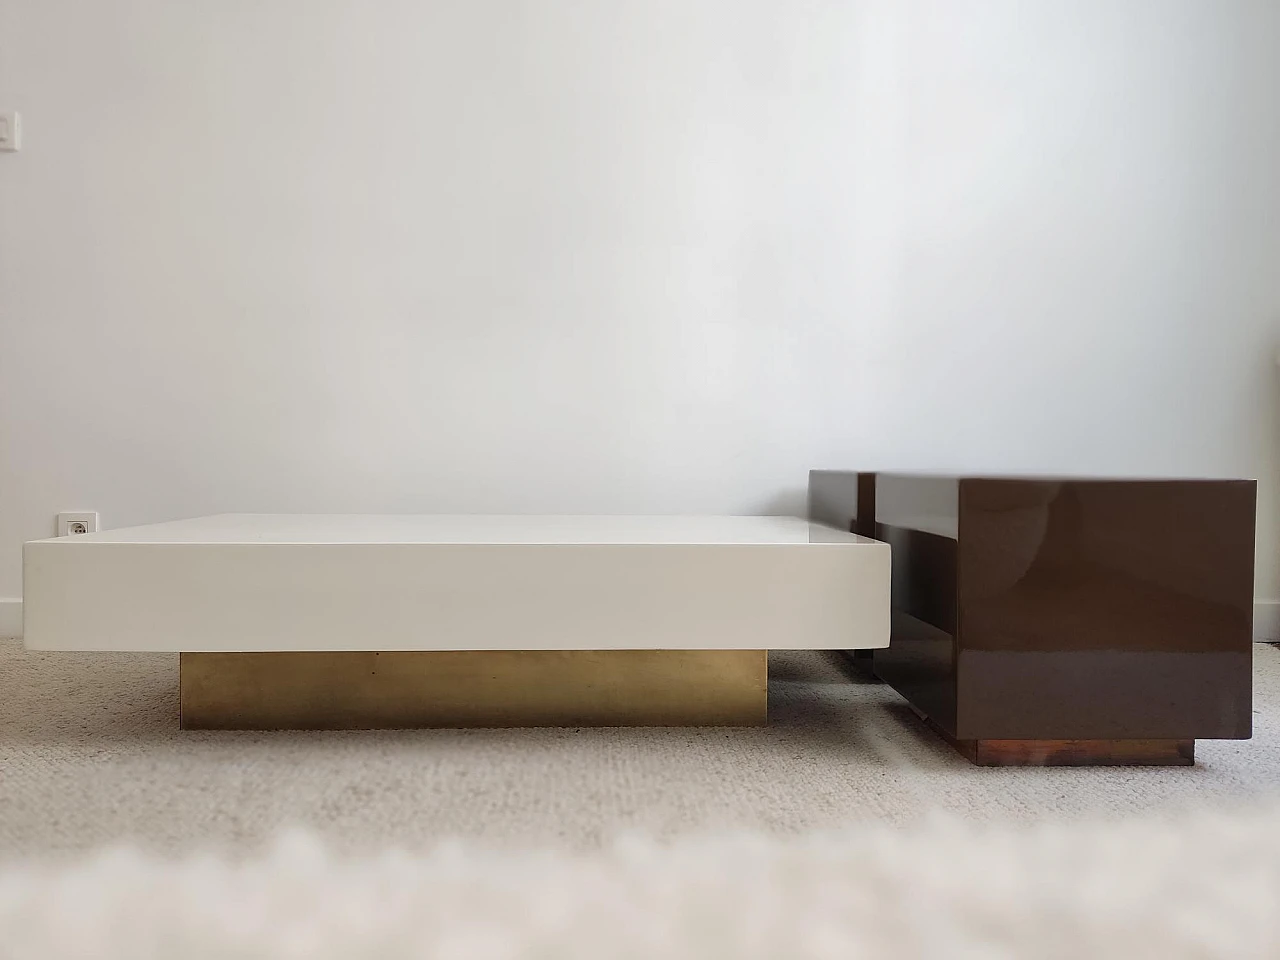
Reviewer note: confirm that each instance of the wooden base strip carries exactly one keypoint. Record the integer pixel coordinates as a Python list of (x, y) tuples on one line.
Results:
[(1078, 753), (1069, 753)]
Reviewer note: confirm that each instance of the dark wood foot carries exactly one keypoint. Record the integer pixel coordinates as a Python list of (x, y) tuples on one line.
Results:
[(1080, 753), (860, 662), (1072, 753)]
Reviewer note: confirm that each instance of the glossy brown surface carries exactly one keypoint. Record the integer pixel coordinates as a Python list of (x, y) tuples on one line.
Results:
[(920, 661), (1070, 609), (840, 499), (846, 501)]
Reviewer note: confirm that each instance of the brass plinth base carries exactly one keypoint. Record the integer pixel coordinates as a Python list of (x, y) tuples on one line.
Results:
[(538, 688)]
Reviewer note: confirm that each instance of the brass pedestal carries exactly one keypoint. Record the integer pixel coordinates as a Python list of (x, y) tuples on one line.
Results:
[(489, 688)]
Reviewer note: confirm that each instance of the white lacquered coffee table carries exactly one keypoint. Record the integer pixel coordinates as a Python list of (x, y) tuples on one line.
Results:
[(344, 621)]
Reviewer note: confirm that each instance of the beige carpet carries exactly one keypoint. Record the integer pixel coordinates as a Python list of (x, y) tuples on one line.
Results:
[(90, 754)]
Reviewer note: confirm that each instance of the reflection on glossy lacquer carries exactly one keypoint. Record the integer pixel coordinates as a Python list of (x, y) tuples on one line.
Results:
[(1071, 608)]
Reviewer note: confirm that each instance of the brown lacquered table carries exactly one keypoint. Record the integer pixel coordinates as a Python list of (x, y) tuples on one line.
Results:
[(1062, 620)]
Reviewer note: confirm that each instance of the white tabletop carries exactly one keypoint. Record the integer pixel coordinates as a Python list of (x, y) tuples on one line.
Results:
[(251, 528), (299, 582)]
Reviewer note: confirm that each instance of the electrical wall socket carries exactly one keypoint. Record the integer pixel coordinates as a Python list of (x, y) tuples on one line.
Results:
[(10, 131), (70, 524)]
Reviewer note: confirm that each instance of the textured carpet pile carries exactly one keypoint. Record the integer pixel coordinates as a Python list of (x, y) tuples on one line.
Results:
[(844, 828)]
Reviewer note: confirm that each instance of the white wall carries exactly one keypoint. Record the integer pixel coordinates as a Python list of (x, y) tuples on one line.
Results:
[(634, 256)]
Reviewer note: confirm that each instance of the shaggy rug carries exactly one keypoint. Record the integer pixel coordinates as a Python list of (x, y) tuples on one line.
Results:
[(1203, 886)]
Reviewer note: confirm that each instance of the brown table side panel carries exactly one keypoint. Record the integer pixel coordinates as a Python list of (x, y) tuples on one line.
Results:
[(920, 661), (1105, 609), (1103, 694)]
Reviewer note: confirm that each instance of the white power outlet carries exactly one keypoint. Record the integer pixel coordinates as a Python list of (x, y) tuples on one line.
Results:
[(70, 524), (10, 131)]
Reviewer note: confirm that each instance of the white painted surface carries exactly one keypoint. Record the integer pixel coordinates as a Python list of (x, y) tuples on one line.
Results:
[(242, 582), (1266, 621), (10, 617), (434, 528), (637, 256)]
